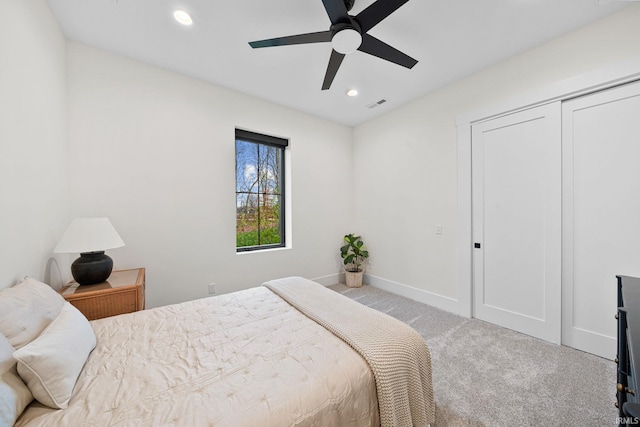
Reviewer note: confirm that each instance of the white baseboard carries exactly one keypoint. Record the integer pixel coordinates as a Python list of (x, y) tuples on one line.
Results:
[(444, 303), (331, 279), (420, 295)]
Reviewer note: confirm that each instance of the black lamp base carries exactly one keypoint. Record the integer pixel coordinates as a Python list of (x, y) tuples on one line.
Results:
[(92, 268)]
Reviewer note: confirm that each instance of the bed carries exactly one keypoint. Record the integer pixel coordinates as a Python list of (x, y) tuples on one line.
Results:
[(290, 353)]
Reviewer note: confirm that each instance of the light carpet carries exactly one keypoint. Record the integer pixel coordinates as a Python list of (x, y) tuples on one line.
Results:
[(485, 375)]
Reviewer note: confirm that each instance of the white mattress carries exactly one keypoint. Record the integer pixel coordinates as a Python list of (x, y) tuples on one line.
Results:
[(242, 359)]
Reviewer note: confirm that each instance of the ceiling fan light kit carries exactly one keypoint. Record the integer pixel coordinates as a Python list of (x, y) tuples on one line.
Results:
[(347, 34), (346, 41)]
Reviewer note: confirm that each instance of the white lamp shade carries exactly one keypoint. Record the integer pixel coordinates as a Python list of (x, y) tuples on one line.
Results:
[(89, 235)]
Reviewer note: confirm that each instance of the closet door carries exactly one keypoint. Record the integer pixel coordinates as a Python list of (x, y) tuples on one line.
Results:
[(516, 173), (601, 212)]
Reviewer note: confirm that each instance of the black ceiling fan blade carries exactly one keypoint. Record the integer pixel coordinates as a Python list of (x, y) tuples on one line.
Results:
[(319, 37), (336, 10), (375, 47), (332, 69), (376, 12)]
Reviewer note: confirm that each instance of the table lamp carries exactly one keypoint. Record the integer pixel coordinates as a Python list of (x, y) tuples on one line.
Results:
[(90, 237)]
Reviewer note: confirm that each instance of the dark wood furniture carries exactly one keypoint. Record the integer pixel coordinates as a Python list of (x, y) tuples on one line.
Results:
[(123, 292), (628, 358)]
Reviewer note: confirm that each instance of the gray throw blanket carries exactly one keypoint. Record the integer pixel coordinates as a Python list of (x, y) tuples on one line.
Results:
[(397, 354)]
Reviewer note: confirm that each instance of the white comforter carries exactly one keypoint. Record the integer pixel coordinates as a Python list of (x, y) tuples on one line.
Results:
[(243, 359)]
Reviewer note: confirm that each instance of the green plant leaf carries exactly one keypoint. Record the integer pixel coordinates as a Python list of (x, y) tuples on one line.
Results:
[(353, 252)]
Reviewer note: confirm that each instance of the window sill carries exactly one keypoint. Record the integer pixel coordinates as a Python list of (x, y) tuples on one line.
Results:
[(261, 251)]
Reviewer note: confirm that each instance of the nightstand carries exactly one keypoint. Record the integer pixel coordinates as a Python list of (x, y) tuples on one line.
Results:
[(123, 292)]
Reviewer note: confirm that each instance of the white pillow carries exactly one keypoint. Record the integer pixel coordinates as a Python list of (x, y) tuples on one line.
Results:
[(14, 394), (51, 363), (26, 309)]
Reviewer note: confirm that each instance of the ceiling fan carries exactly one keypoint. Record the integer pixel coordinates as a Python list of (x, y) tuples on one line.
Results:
[(348, 34)]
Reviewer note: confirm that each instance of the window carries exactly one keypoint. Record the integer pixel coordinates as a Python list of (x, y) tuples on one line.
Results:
[(259, 191)]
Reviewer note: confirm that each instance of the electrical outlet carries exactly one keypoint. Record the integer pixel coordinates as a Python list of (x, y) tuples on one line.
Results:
[(438, 229), (212, 288)]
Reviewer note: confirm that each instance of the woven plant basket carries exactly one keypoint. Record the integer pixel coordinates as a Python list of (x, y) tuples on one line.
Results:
[(354, 278)]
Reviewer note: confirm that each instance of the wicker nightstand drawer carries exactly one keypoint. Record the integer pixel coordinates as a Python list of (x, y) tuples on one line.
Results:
[(122, 293)]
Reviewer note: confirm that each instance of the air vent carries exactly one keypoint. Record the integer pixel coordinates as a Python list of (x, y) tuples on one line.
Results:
[(375, 104)]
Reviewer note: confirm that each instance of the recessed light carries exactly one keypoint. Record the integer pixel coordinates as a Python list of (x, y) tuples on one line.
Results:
[(183, 17), (352, 92)]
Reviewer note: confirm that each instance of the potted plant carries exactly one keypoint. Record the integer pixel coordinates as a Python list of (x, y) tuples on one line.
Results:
[(353, 253)]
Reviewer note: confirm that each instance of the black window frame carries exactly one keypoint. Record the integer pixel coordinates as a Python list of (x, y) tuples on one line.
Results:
[(269, 141)]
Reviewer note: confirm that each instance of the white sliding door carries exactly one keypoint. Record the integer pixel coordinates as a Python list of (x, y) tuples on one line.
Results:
[(601, 211), (517, 221)]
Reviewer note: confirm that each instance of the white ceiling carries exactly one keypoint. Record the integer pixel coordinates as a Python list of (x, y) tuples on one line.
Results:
[(451, 39)]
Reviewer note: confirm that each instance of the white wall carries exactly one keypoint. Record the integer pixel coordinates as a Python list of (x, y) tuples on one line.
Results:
[(154, 151), (34, 193), (405, 170)]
